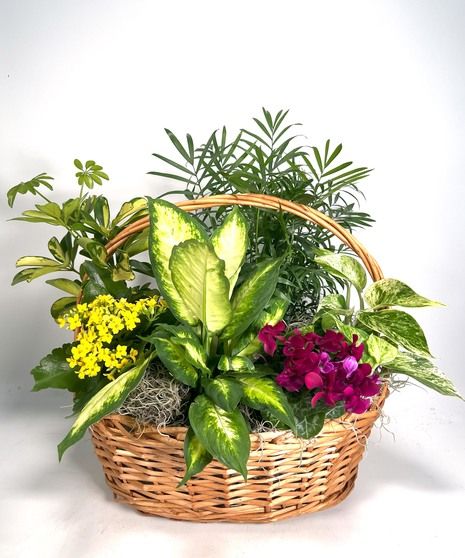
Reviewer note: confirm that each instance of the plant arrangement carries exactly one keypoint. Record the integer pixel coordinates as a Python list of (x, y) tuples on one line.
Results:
[(226, 338), (270, 158)]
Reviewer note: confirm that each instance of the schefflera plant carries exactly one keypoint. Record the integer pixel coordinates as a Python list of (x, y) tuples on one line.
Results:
[(394, 341), (219, 320)]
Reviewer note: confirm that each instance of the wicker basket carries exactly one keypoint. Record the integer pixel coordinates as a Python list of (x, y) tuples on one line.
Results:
[(287, 476)]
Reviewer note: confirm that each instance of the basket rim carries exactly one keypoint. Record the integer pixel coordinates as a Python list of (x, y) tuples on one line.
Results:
[(329, 425)]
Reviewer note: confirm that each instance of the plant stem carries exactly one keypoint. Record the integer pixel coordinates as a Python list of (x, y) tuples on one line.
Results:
[(43, 197)]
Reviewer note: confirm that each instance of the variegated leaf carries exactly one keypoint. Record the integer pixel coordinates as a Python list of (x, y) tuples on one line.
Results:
[(263, 394), (230, 242), (252, 296), (224, 392), (249, 344), (109, 398), (185, 338), (334, 303), (169, 226), (379, 351), (235, 363), (174, 357), (224, 434), (195, 456), (392, 292), (330, 321), (198, 275), (424, 371), (399, 327), (343, 266)]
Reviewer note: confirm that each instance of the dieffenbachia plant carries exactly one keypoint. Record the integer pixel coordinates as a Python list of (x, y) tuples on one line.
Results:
[(393, 339), (220, 313)]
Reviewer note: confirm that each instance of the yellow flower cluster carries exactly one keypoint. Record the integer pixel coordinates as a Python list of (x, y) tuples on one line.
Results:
[(99, 322)]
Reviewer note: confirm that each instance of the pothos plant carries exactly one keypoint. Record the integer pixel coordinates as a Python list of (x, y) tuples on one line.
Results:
[(341, 357)]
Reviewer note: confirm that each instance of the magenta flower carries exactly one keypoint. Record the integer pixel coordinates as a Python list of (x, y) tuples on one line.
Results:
[(268, 336), (313, 380), (328, 366), (291, 380)]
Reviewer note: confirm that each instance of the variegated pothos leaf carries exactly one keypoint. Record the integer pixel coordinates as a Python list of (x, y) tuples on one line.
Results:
[(343, 266), (392, 292), (424, 371), (397, 326)]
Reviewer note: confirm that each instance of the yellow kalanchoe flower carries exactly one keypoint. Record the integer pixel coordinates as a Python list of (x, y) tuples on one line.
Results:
[(99, 322)]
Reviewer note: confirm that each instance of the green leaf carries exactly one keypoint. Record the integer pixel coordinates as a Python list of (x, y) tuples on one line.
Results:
[(102, 211), (337, 411), (198, 276), (95, 249), (424, 371), (224, 392), (108, 399), (179, 146), (309, 422), (56, 249), (380, 351), (69, 208), (87, 388), (53, 371), (188, 341), (100, 282), (62, 305), (330, 321), (391, 292), (66, 285), (273, 313), (169, 226), (31, 187), (252, 296), (334, 303), (195, 456), (51, 209), (33, 273), (36, 261), (399, 327), (248, 344), (224, 434), (137, 244), (263, 394), (175, 359), (128, 209), (343, 266), (123, 270), (235, 363), (230, 242)]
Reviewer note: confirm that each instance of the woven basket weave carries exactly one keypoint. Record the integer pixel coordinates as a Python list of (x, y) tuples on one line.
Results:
[(287, 476)]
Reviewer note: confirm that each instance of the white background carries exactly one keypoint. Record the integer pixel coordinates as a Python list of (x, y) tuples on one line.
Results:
[(101, 80)]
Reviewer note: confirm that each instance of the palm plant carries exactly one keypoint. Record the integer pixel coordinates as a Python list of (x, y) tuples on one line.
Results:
[(270, 159)]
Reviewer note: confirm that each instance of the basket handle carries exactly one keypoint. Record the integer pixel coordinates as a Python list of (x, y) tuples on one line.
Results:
[(262, 201)]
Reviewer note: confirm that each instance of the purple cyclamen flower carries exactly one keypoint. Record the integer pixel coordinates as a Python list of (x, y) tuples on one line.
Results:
[(349, 365)]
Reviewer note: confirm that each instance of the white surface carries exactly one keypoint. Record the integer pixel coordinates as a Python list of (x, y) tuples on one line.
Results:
[(100, 80)]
